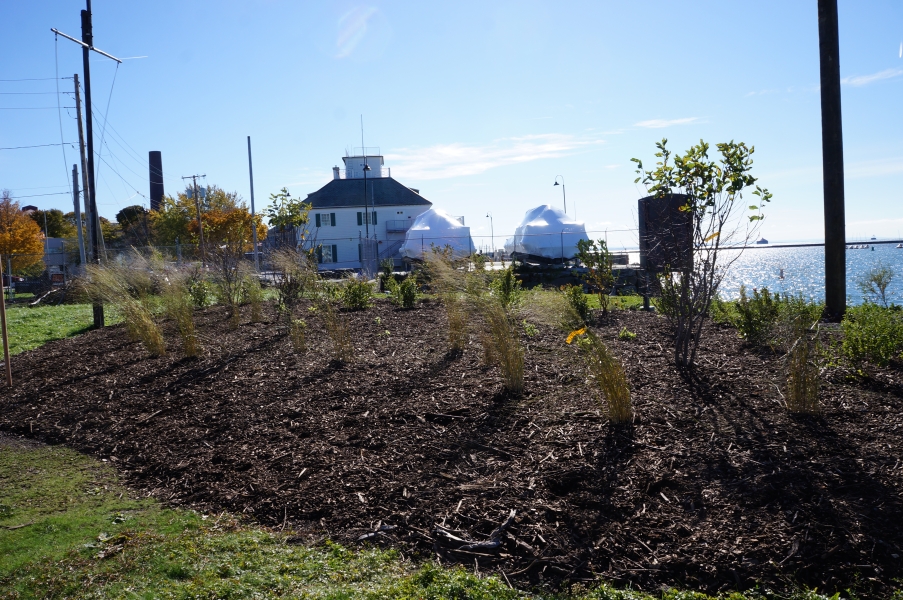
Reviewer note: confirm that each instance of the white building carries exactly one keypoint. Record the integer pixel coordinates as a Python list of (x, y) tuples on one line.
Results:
[(343, 212)]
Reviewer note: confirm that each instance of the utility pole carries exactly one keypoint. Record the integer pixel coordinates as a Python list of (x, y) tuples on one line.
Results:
[(84, 161), (78, 216), (832, 161), (253, 220), (197, 205), (87, 44)]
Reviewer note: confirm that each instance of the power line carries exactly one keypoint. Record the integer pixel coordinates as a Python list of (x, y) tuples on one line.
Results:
[(132, 153), (36, 195), (37, 79), (59, 113), (38, 146), (29, 93), (107, 111), (34, 107), (141, 233), (40, 187), (120, 176)]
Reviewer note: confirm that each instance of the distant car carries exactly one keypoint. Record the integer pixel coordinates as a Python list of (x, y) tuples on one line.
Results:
[(6, 280)]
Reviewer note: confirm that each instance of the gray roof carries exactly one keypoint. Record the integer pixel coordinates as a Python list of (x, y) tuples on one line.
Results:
[(382, 191)]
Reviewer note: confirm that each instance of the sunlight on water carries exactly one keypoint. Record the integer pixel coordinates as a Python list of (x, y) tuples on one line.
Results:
[(804, 271)]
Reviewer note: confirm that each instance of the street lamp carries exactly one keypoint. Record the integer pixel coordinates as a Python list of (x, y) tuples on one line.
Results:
[(492, 231), (563, 195), (285, 200), (366, 205)]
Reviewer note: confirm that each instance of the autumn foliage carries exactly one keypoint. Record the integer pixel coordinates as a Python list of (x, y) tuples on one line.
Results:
[(230, 227), (19, 235)]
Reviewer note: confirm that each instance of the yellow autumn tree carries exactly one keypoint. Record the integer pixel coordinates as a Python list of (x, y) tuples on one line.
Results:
[(20, 237), (231, 227)]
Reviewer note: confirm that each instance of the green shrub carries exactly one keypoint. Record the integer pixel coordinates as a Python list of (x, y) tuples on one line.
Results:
[(626, 335), (403, 294), (386, 266), (577, 300), (507, 288), (530, 329), (356, 294), (757, 316), (598, 260), (872, 333), (722, 312), (201, 293), (873, 284)]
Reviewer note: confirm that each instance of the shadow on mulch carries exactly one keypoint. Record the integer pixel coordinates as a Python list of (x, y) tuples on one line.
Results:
[(713, 486)]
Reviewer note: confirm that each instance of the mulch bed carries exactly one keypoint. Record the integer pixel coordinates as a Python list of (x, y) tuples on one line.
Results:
[(713, 487)]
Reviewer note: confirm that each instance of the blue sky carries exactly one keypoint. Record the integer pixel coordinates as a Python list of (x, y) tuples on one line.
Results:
[(478, 104)]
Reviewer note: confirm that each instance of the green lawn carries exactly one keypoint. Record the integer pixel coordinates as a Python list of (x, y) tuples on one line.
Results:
[(30, 328)]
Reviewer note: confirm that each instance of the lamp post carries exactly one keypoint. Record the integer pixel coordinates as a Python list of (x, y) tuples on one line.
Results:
[(288, 197), (563, 195), (492, 231), (366, 205)]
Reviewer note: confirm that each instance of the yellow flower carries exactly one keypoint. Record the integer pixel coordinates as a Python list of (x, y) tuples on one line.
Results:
[(575, 333)]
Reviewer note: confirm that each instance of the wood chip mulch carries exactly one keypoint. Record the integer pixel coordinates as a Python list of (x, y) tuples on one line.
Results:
[(713, 487)]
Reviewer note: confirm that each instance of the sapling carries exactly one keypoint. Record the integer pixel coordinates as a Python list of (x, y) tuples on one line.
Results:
[(713, 192)]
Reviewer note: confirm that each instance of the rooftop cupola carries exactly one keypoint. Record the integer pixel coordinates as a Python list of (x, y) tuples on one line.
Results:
[(354, 165)]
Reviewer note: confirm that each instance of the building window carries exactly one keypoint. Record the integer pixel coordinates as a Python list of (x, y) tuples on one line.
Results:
[(362, 218), (327, 254), (324, 219)]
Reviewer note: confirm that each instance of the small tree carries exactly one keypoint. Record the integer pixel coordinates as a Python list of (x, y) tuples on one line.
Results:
[(598, 262), (133, 220), (713, 191), (288, 214), (875, 282), (57, 224), (19, 235)]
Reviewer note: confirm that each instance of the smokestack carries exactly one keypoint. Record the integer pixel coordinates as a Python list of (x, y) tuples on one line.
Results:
[(335, 173), (155, 160)]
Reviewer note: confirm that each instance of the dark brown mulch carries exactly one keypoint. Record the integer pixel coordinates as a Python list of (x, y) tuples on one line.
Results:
[(713, 487)]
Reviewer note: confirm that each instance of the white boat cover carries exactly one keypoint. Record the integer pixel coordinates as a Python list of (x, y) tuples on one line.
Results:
[(436, 228), (548, 233)]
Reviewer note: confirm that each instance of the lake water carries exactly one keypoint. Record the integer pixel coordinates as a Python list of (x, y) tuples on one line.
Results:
[(804, 271)]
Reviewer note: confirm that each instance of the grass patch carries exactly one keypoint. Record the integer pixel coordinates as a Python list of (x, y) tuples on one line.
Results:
[(85, 537), (30, 328), (616, 302)]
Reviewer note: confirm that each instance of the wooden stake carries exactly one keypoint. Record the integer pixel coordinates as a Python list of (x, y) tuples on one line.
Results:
[(9, 371)]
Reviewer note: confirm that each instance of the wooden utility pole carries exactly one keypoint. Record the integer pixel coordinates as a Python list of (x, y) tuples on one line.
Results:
[(84, 161), (88, 40), (78, 216), (832, 161), (87, 44)]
